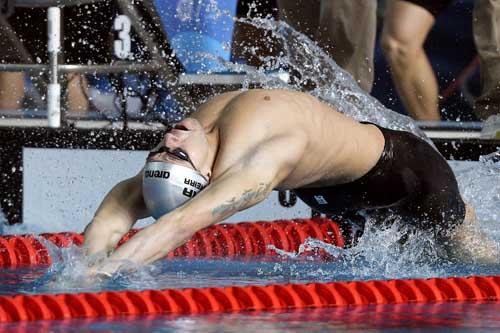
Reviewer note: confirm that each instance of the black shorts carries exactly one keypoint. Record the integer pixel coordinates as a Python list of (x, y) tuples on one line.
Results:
[(435, 7), (411, 180)]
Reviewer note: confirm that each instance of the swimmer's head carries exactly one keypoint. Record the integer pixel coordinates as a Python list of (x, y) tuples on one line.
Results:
[(166, 186), (189, 138), (173, 171)]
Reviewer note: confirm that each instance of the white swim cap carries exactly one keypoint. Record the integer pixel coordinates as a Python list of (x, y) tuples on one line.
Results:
[(166, 186)]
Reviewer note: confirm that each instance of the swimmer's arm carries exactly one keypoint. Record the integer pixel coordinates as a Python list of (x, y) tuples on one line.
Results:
[(220, 200), (118, 212), (242, 185)]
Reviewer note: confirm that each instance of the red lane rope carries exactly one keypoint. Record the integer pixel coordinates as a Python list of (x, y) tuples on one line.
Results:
[(232, 299), (222, 240), (228, 240)]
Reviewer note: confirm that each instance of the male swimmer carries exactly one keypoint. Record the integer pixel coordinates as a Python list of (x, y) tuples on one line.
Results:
[(239, 146)]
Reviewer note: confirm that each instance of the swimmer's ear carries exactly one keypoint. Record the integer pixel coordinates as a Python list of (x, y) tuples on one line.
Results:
[(207, 175)]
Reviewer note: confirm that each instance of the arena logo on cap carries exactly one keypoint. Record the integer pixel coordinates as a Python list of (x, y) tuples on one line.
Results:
[(189, 193), (157, 174), (193, 183)]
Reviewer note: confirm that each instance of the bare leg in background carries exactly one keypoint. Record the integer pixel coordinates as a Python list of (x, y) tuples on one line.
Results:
[(486, 26), (11, 90), (406, 27), (77, 93)]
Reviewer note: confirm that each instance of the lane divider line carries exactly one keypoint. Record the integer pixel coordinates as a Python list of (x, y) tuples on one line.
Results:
[(221, 240), (247, 298)]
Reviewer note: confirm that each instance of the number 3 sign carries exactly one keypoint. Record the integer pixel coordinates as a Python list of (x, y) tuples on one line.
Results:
[(122, 45)]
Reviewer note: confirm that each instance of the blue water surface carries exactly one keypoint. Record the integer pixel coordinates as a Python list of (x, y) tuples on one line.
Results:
[(199, 273)]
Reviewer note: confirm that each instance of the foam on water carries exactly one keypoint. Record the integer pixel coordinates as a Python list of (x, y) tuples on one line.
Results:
[(480, 184)]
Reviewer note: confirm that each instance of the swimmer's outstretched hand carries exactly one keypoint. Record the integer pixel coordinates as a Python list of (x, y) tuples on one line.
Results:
[(105, 269)]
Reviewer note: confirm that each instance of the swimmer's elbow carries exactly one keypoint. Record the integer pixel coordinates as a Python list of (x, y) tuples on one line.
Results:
[(101, 235)]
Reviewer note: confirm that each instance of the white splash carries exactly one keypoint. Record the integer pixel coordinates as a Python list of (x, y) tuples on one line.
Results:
[(378, 254)]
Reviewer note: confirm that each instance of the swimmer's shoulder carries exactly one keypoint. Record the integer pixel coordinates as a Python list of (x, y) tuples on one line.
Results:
[(269, 101), (269, 112), (218, 101), (283, 100), (271, 95), (209, 111)]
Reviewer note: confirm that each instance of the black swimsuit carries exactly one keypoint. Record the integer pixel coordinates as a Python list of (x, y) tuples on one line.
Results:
[(411, 179)]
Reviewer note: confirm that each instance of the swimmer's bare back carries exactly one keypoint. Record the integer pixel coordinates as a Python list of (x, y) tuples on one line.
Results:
[(337, 150)]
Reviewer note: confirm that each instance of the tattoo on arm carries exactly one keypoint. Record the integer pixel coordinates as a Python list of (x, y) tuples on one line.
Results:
[(246, 199)]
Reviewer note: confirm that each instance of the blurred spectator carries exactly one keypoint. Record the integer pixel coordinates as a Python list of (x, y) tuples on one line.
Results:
[(11, 83), (15, 88), (23, 39), (11, 90), (406, 26), (345, 29), (486, 24), (77, 93), (199, 32)]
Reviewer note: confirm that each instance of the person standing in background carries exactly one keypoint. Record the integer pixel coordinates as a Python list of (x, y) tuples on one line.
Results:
[(11, 90), (486, 25), (406, 26), (11, 83), (23, 40), (345, 29)]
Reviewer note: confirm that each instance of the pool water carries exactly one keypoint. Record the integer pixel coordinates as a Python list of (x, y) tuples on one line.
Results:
[(377, 256), (193, 273)]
